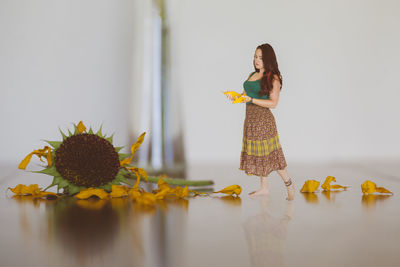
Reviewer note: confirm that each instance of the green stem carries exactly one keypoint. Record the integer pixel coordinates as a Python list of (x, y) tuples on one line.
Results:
[(173, 181)]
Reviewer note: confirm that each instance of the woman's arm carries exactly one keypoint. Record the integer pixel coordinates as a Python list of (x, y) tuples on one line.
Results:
[(273, 100)]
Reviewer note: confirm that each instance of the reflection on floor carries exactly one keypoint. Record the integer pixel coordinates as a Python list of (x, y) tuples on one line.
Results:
[(341, 228)]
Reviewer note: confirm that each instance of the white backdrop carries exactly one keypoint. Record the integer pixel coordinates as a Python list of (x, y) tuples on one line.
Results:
[(66, 61), (339, 61)]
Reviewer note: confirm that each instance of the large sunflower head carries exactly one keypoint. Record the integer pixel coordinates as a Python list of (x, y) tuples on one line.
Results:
[(83, 159)]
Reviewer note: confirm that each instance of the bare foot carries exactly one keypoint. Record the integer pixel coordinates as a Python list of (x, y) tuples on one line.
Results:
[(263, 192), (291, 192)]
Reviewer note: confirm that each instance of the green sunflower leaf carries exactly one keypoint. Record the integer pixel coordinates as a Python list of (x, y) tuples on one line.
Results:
[(106, 187), (99, 131), (118, 148), (63, 135), (56, 180), (73, 189), (69, 132), (90, 130), (110, 139), (75, 129), (115, 182), (54, 144), (123, 156), (49, 171), (63, 183)]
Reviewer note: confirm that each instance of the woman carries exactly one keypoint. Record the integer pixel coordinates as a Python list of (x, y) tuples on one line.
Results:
[(261, 149)]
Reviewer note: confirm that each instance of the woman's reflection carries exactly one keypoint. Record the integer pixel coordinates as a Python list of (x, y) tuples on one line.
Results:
[(266, 235)]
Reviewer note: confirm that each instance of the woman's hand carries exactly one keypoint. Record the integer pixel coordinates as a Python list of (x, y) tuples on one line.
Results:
[(247, 98), (230, 97)]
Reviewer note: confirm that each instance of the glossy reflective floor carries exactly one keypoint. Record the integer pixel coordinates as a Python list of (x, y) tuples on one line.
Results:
[(319, 229)]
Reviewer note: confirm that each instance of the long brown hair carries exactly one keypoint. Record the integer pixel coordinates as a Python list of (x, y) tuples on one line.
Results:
[(271, 68)]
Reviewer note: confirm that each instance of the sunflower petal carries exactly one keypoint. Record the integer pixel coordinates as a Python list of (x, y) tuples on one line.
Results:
[(230, 190), (87, 193), (81, 127), (182, 192), (310, 186), (369, 187), (118, 191)]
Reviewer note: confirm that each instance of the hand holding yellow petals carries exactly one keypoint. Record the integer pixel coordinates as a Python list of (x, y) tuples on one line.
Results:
[(369, 187), (238, 98), (44, 152), (81, 127), (87, 193), (119, 191), (327, 184), (230, 190), (310, 186)]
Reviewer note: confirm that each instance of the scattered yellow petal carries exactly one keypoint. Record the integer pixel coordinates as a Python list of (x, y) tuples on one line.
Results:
[(230, 190), (327, 184), (182, 192), (134, 147), (118, 191), (134, 193), (21, 189), (310, 186), (81, 127), (46, 151), (87, 193), (369, 187)]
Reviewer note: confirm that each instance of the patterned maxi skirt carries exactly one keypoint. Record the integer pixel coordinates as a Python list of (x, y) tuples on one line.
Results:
[(261, 149)]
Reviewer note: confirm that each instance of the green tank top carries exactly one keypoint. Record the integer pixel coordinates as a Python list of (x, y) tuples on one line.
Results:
[(252, 88)]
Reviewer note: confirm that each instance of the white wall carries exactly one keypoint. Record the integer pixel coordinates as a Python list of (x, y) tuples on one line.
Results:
[(339, 61), (62, 62), (65, 61)]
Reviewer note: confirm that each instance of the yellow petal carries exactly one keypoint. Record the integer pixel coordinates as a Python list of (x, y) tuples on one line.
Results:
[(87, 193), (32, 189), (239, 100), (232, 94), (327, 184), (17, 189), (81, 127), (310, 186), (118, 191), (182, 192), (230, 190), (382, 190), (46, 151), (369, 187), (134, 147), (161, 194), (25, 161), (134, 193)]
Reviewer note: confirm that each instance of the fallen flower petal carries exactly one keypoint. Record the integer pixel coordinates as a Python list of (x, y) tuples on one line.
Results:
[(118, 191), (327, 184), (369, 187), (230, 190), (87, 193), (310, 186)]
